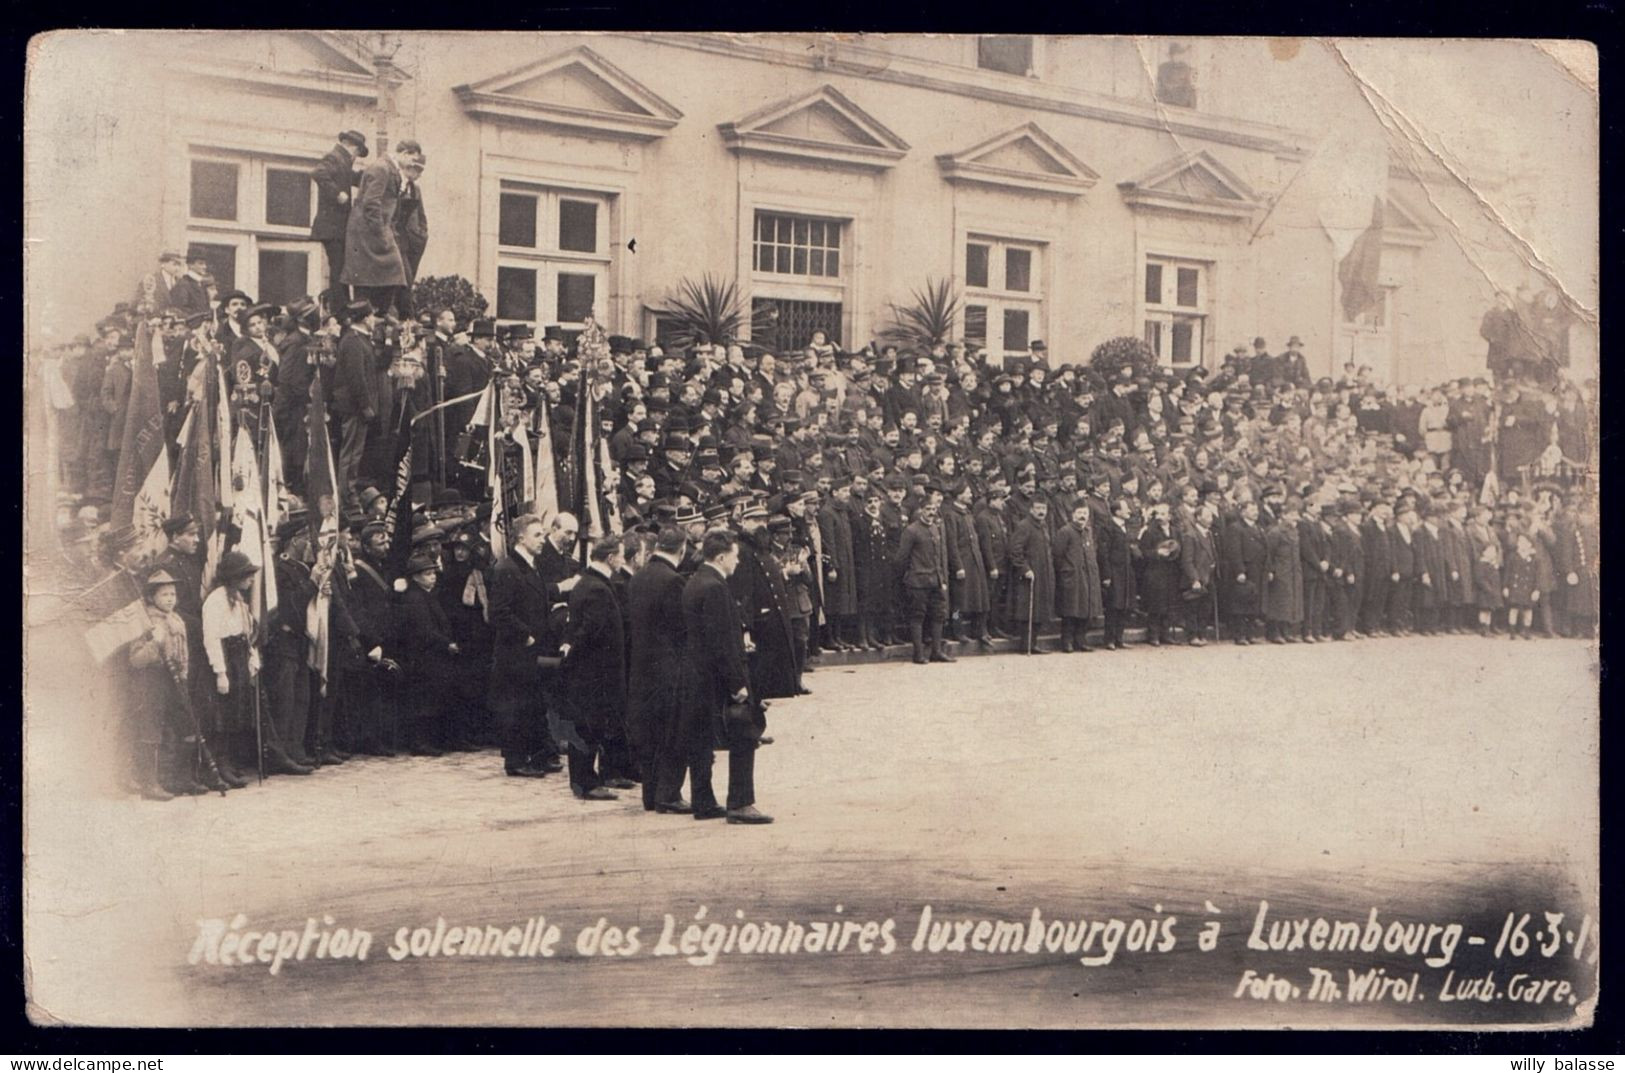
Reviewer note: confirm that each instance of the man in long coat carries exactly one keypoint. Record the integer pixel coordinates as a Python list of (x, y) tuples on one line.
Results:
[(335, 179), (716, 677), (764, 603), (968, 595), (922, 562), (840, 571), (1242, 552), (1198, 569), (1115, 553), (1032, 571), (654, 674), (592, 679), (1315, 547), (1377, 551), (1283, 564), (871, 558), (430, 657), (993, 538), (521, 635), (373, 263), (1078, 596)]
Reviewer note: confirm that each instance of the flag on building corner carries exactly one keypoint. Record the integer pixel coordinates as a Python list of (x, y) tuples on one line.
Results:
[(1360, 272)]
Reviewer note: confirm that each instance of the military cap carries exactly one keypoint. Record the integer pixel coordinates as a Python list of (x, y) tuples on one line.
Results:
[(689, 515), (778, 523), (368, 528), (178, 524), (717, 512), (353, 311)]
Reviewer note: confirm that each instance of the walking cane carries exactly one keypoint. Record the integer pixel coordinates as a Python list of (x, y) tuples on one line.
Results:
[(1032, 599)]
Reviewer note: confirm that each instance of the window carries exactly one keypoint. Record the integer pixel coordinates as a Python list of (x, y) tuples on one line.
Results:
[(578, 226), (222, 262), (284, 274), (214, 190), (288, 197), (552, 255), (1176, 310), (1012, 53), (249, 215), (1003, 294), (785, 325), (976, 264), (797, 246)]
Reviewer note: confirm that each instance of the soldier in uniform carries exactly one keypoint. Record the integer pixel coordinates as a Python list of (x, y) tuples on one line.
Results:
[(759, 589), (923, 563)]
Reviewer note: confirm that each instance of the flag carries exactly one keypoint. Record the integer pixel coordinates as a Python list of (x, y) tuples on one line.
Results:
[(197, 488), (1358, 273), (152, 508), (399, 518), (113, 606), (249, 513), (488, 411), (591, 520), (545, 491), (317, 613), (321, 479), (143, 438), (223, 441)]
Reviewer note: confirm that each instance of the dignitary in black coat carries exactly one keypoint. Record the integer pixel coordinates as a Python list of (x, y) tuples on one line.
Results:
[(655, 672), (1283, 564), (1159, 583), (718, 708), (871, 558), (524, 646), (591, 697), (1198, 571)]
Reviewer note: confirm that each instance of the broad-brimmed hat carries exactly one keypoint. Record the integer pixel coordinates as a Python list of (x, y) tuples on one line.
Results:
[(355, 138), (421, 564), (234, 566), (159, 577)]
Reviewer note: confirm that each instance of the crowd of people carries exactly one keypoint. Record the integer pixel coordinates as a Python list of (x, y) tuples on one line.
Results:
[(750, 509)]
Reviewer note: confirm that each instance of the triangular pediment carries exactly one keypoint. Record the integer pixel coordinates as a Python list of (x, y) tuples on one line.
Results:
[(824, 126), (1402, 223), (578, 90), (1192, 184), (295, 63), (1026, 158)]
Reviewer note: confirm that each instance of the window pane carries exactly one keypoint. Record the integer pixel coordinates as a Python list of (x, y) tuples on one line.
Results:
[(1187, 287), (1153, 336), (222, 262), (764, 258), (817, 262), (815, 234), (832, 263), (214, 190), (783, 264), (1012, 54), (287, 198), (516, 222), (575, 297), (800, 261), (1182, 338), (1015, 329), (976, 325), (284, 275), (975, 265), (1018, 270), (516, 293), (578, 226), (1153, 285), (801, 232)]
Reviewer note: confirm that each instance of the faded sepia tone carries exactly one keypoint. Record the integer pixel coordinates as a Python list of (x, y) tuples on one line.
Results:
[(1115, 820)]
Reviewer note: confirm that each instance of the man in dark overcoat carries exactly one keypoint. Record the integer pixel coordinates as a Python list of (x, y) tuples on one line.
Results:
[(1242, 552), (1032, 568), (592, 680), (522, 636), (717, 683), (335, 179), (654, 673)]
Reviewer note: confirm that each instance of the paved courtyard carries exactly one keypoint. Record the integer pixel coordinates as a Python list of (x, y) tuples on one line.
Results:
[(1416, 775)]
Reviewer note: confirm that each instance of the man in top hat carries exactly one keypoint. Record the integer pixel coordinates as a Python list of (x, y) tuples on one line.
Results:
[(336, 177), (719, 687), (591, 698)]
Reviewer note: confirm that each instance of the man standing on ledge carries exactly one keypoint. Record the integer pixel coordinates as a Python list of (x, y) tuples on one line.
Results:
[(717, 680), (335, 179)]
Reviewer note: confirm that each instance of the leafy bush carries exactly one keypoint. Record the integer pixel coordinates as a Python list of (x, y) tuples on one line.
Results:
[(1113, 354), (434, 293)]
